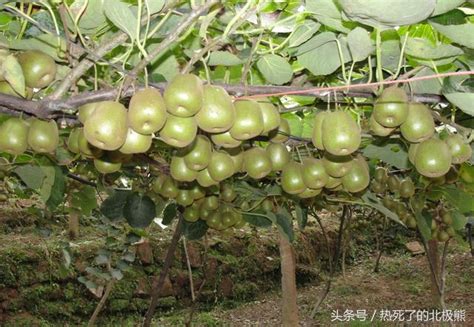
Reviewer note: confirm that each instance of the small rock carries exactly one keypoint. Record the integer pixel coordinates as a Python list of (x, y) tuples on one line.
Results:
[(226, 287), (166, 289), (145, 253), (143, 287), (415, 247), (194, 254)]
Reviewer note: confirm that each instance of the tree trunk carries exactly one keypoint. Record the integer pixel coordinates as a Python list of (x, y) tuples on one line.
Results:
[(289, 311), (433, 258), (73, 224), (158, 284)]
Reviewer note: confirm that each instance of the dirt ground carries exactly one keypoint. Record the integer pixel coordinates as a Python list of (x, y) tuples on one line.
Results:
[(401, 284)]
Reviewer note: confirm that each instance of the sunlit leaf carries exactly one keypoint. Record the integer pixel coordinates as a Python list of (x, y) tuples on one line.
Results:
[(384, 14), (275, 69), (303, 33), (121, 16), (360, 44), (13, 74), (223, 58)]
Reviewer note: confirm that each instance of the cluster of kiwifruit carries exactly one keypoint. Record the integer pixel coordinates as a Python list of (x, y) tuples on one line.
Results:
[(39, 71), (186, 108), (441, 226), (396, 194), (4, 191), (17, 134), (209, 131), (219, 211), (339, 136), (431, 156)]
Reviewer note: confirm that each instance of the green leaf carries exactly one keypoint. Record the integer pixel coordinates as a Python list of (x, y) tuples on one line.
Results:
[(383, 14), (423, 223), (460, 34), (360, 44), (258, 219), (301, 215), (245, 190), (443, 6), (463, 101), (196, 230), (48, 182), (275, 69), (46, 43), (303, 33), (284, 223), (461, 200), (139, 210), (112, 207), (307, 125), (390, 152), (327, 13), (391, 51), (102, 259), (459, 220), (169, 213), (121, 16), (92, 18), (58, 189), (31, 175), (315, 42), (116, 274), (295, 122), (13, 74), (373, 201), (154, 6), (453, 17), (422, 48), (323, 8), (223, 58), (85, 200), (431, 86), (325, 59)]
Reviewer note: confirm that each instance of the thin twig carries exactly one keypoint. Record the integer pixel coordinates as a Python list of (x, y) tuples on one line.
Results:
[(345, 209), (326, 290), (158, 284), (47, 106), (168, 41), (380, 244), (101, 304), (190, 271), (97, 54), (444, 260), (104, 298), (193, 306), (326, 90)]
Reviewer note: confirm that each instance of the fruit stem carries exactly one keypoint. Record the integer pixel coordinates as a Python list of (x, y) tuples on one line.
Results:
[(378, 44), (341, 58), (298, 153), (25, 22), (400, 60), (369, 61)]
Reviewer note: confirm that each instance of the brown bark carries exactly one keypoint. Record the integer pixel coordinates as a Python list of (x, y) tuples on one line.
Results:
[(289, 311), (433, 257), (73, 224)]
